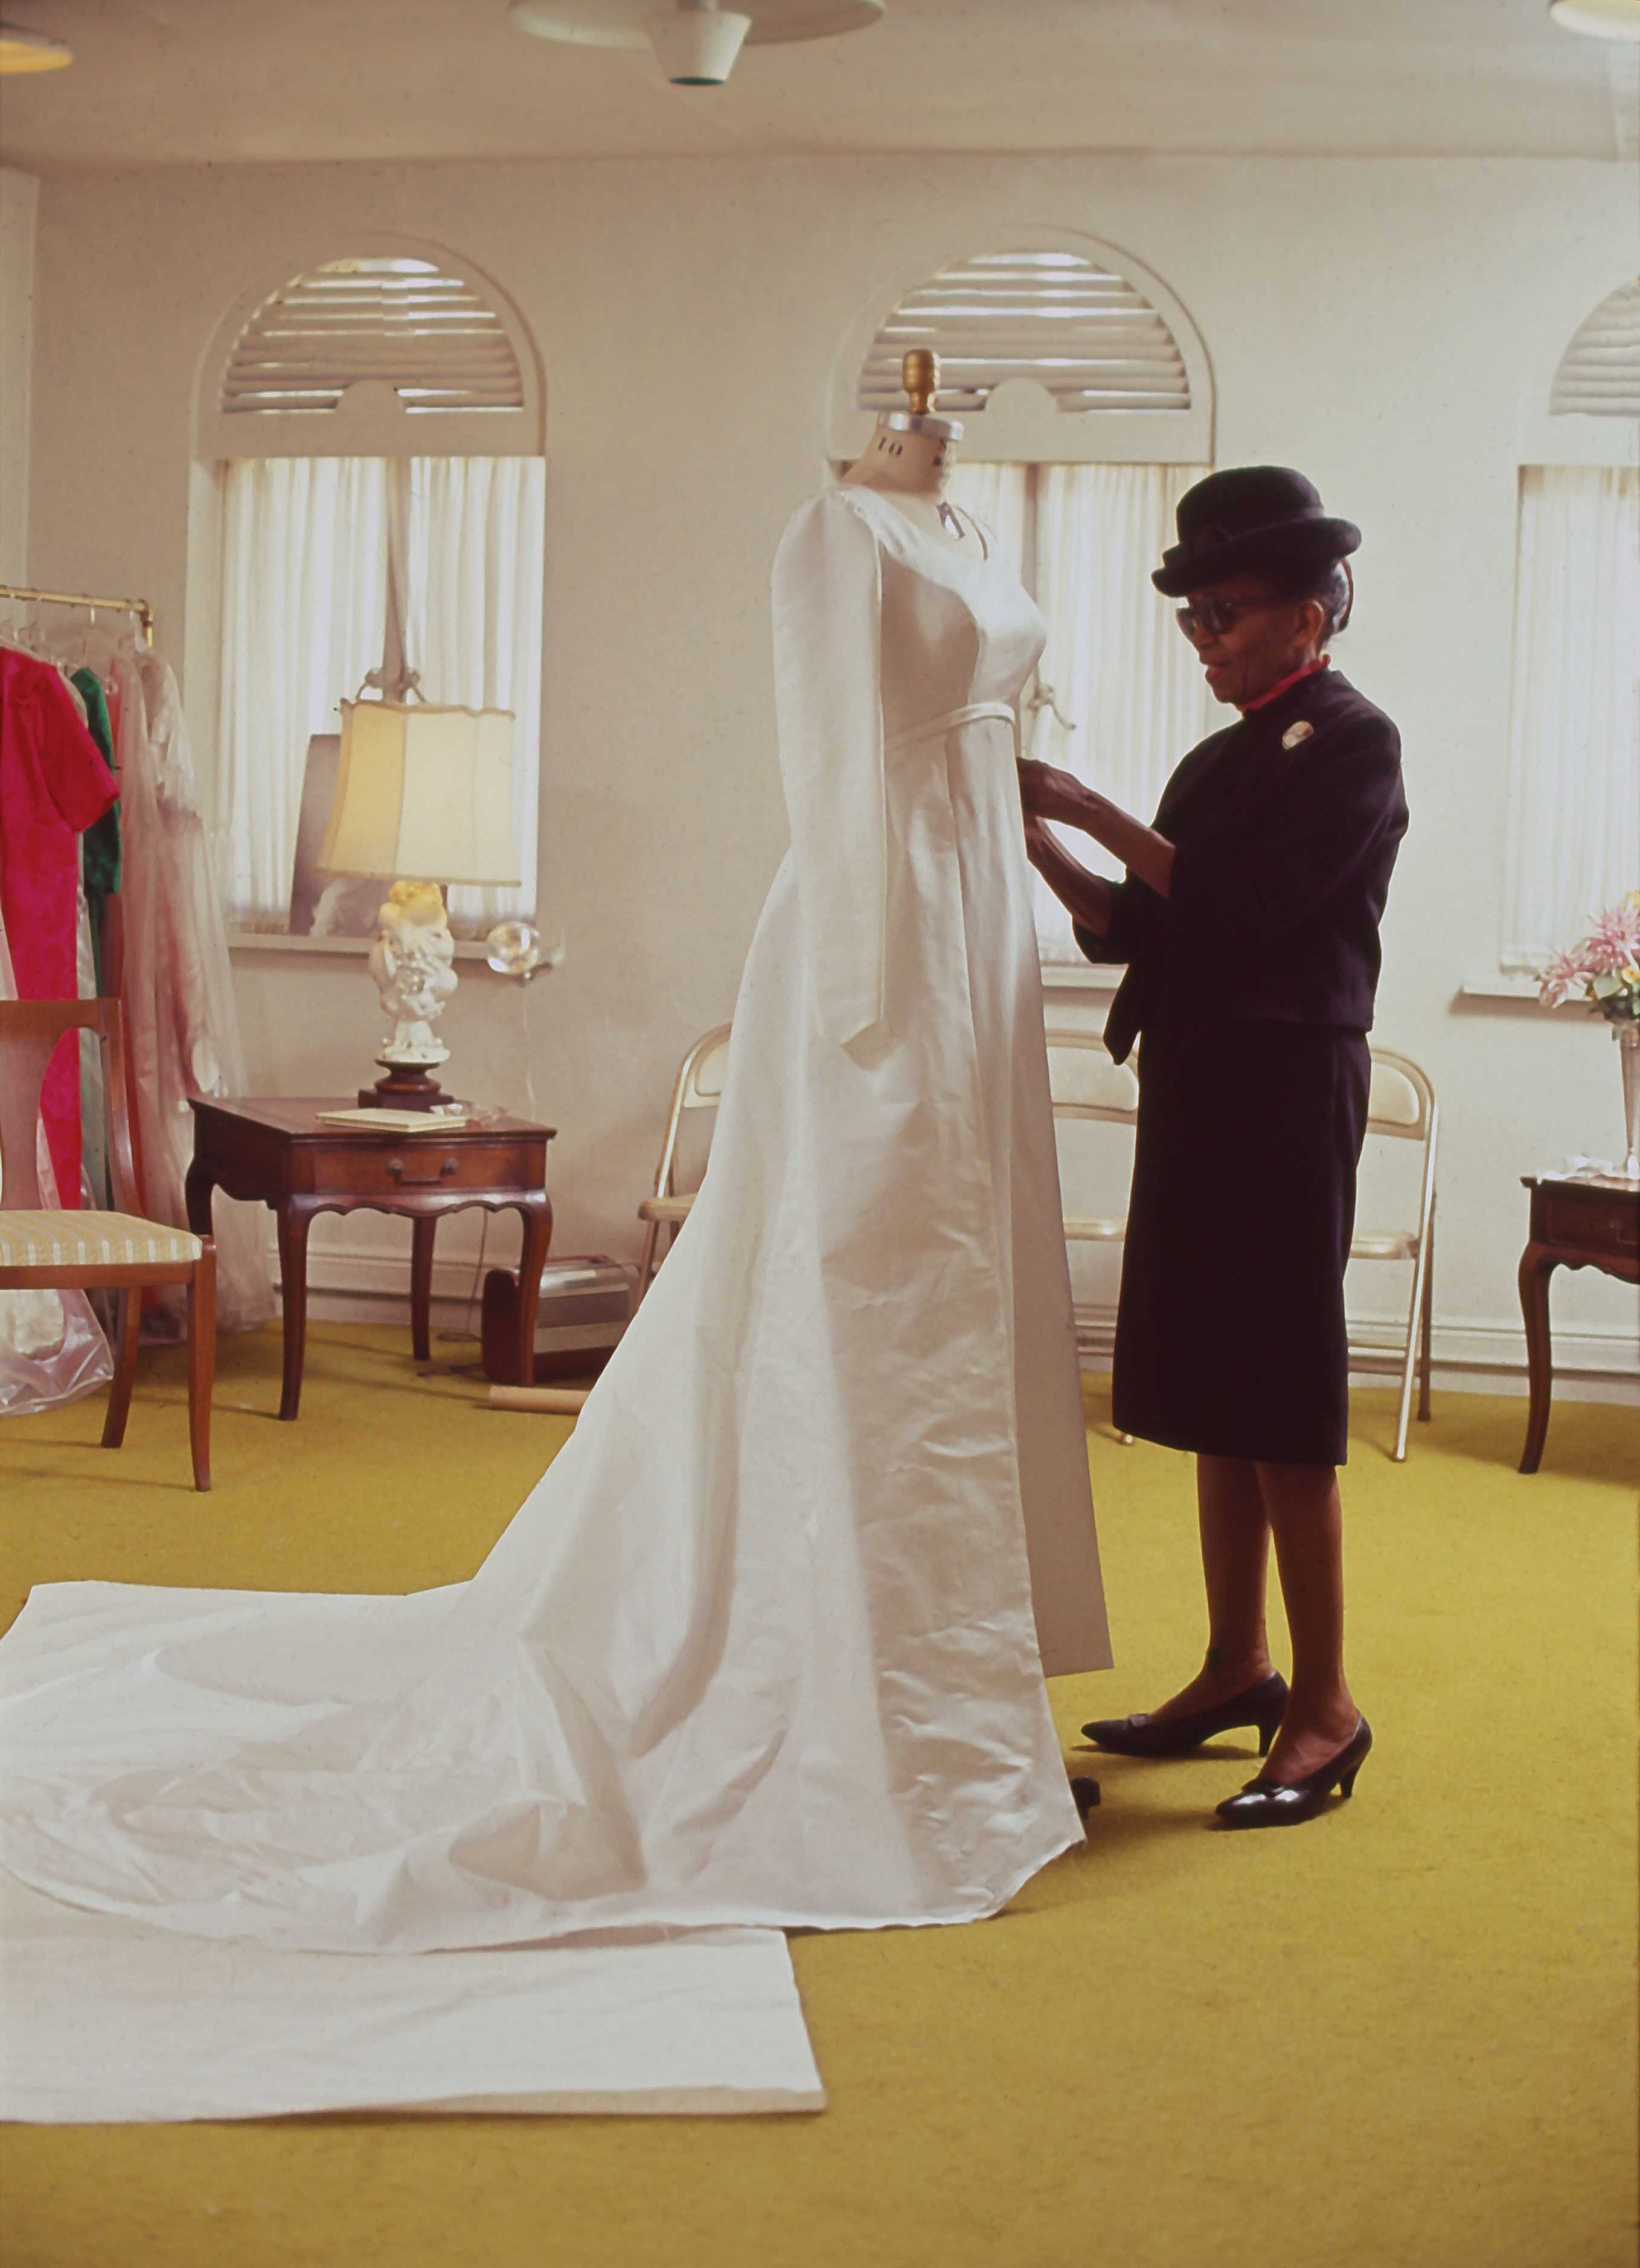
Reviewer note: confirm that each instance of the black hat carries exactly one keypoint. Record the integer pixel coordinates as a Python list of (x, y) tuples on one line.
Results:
[(1250, 516)]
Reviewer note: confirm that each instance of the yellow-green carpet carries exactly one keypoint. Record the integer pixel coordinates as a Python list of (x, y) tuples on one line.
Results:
[(1400, 2037)]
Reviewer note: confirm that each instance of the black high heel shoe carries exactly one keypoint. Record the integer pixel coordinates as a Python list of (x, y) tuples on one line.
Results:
[(1273, 1803), (1144, 1735)]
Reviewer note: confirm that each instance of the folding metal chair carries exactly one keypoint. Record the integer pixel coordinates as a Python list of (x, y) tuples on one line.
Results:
[(1086, 1087), (699, 1086), (1401, 1106)]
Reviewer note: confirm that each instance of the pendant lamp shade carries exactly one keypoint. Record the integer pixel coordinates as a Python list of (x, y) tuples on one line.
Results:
[(424, 794), (1599, 19)]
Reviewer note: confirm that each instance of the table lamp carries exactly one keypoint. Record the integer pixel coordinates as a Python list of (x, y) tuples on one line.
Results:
[(423, 798)]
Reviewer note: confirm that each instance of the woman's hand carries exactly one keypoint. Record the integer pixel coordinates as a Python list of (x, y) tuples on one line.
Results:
[(1047, 793), (1086, 896)]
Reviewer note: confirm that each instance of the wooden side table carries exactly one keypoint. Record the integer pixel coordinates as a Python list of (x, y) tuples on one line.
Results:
[(1589, 1223), (275, 1151)]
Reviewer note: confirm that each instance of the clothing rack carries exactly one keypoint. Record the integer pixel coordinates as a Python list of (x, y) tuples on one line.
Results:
[(140, 607)]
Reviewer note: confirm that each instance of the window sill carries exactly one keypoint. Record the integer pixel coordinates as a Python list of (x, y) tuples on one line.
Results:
[(1080, 976), (352, 948), (1501, 992), (1499, 986)]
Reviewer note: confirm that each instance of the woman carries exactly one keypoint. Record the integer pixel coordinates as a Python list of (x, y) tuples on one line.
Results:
[(1249, 924)]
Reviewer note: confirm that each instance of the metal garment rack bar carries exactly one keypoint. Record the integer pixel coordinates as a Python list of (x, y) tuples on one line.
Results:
[(140, 607)]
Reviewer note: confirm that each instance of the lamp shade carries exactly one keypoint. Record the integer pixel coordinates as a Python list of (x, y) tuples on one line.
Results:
[(31, 51), (424, 794)]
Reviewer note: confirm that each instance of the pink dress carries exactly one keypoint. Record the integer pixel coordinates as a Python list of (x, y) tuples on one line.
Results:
[(53, 785)]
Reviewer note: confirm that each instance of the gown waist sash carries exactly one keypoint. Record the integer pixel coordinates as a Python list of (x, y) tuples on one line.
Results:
[(948, 723)]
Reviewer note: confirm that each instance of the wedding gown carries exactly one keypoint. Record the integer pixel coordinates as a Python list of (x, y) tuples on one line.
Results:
[(759, 1647)]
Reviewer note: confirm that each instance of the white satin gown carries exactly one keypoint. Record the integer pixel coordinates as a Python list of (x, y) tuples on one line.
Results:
[(759, 1647)]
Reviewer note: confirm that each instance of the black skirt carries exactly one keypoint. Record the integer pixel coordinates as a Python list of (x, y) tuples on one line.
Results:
[(1230, 1333)]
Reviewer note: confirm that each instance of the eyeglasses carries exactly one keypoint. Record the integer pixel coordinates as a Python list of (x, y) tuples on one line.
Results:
[(1213, 617)]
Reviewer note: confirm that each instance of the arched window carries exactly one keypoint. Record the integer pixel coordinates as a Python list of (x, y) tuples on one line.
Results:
[(369, 431), (1086, 398), (1057, 350), (1599, 375), (1572, 810)]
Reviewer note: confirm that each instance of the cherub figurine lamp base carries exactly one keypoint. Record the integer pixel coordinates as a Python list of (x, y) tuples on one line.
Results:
[(423, 798)]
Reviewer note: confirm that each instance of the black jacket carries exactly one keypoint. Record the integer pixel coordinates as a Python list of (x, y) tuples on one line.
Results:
[(1282, 866)]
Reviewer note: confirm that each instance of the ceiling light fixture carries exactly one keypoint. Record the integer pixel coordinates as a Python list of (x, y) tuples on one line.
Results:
[(1599, 19), (30, 51), (696, 41)]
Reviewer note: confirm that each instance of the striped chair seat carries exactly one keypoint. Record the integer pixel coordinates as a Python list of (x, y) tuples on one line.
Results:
[(90, 1239), (672, 1209), (1387, 1244)]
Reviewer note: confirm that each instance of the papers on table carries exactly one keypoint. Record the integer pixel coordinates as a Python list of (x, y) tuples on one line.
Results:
[(398, 1122)]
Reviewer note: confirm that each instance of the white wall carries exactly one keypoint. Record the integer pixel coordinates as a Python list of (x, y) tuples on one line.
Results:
[(19, 200), (1382, 324)]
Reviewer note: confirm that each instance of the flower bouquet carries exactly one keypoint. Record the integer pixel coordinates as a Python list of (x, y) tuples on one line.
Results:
[(1605, 968)]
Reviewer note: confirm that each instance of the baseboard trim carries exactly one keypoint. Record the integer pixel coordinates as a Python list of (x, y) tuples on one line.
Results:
[(1601, 1363), (353, 1285)]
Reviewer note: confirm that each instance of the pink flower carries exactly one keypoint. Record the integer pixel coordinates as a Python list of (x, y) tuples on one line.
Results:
[(1613, 941), (1560, 980), (1612, 949)]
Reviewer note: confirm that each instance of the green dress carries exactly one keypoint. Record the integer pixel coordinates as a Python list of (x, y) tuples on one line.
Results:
[(100, 842), (100, 854)]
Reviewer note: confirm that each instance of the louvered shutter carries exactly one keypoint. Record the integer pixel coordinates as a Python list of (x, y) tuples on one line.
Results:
[(1062, 350), (428, 348), (1086, 335), (1600, 371)]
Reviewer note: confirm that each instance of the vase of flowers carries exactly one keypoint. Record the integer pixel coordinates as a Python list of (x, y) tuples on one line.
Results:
[(1605, 968)]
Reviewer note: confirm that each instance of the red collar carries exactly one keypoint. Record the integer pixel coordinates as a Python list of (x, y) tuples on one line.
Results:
[(1276, 691)]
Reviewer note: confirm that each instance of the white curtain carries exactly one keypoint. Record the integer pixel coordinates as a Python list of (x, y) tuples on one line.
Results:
[(1000, 494), (1119, 696), (304, 599), (1573, 812), (473, 624), (304, 611)]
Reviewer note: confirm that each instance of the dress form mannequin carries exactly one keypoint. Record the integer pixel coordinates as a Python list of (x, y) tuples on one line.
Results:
[(912, 452)]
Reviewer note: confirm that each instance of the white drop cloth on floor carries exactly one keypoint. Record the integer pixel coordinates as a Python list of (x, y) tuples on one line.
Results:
[(104, 2020)]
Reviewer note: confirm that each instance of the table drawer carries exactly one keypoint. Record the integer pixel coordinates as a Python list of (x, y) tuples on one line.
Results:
[(425, 1164), (1596, 1220)]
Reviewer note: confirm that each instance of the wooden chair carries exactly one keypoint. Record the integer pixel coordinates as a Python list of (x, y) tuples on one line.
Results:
[(1401, 1105), (699, 1086), (70, 1249), (1087, 1086)]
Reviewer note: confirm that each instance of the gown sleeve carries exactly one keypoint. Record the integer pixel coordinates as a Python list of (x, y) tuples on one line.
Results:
[(827, 612)]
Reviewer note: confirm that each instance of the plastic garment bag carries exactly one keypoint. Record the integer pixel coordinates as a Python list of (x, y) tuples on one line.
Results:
[(181, 1023)]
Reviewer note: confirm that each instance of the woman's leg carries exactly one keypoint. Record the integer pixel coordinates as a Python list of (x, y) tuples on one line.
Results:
[(1235, 1553), (1306, 1518)]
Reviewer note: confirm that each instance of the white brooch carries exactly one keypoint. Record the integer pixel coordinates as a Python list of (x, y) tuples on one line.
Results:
[(1295, 733)]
